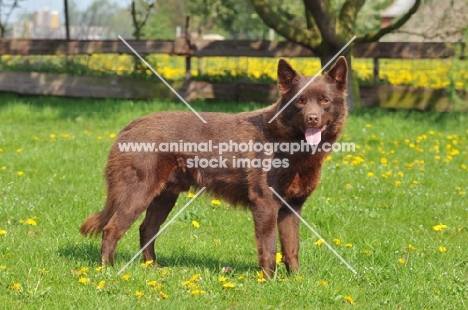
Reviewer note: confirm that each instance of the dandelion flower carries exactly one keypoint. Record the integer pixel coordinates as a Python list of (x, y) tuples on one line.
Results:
[(370, 174), (195, 277), (163, 295), (84, 280), (112, 135), (279, 257), (319, 242), (31, 222), (397, 183), (190, 195), (165, 272), (228, 285), (19, 150), (126, 277), (16, 287), (260, 277), (349, 245), (349, 300), (439, 227), (139, 294), (42, 271), (337, 241), (241, 278), (411, 247), (2, 232), (2, 267), (195, 224), (99, 269), (197, 292), (442, 249), (215, 201), (401, 260), (20, 173), (101, 285), (147, 263), (83, 271), (222, 279), (322, 283)]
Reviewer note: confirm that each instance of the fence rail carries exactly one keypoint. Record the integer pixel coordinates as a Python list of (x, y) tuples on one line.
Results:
[(204, 48)]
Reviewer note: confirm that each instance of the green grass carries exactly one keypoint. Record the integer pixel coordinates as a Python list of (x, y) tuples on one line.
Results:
[(60, 146)]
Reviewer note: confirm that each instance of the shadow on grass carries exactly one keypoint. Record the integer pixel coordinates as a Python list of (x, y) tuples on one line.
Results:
[(88, 253)]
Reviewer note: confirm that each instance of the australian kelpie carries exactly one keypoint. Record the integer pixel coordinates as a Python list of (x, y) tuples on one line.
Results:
[(139, 180)]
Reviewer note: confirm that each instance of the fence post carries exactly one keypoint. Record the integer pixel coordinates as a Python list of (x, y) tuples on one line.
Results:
[(376, 70), (188, 59)]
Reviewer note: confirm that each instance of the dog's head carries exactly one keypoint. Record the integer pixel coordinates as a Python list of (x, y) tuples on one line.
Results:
[(320, 109)]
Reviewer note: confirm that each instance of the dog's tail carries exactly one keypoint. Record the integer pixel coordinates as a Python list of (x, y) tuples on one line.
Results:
[(94, 224)]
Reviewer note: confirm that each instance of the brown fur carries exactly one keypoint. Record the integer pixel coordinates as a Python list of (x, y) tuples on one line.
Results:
[(152, 181)]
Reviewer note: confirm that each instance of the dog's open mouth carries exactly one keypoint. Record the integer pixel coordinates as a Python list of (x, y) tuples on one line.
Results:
[(314, 135)]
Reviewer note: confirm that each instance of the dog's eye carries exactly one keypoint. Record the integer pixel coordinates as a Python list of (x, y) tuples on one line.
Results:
[(324, 100), (300, 101)]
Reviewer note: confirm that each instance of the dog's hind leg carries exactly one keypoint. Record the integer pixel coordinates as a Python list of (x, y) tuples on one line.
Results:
[(156, 214), (288, 226), (132, 201)]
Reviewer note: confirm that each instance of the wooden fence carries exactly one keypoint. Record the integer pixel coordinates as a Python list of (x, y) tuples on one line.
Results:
[(73, 86)]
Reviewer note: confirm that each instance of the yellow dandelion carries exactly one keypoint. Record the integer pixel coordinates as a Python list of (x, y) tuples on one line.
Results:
[(383, 161), (222, 279), (196, 277), (397, 183), (215, 201), (146, 264), (442, 249), (126, 277), (52, 136), (101, 285), (3, 168), (260, 276), (112, 135), (153, 284), (197, 292), (349, 245), (139, 294), (401, 260), (319, 242), (186, 283), (165, 272), (16, 287), (411, 247), (99, 269), (337, 241), (195, 224), (460, 229), (368, 125), (439, 227), (228, 285), (322, 283), (42, 271), (279, 257), (84, 280), (83, 271), (190, 195), (366, 251), (19, 150), (1, 150), (31, 222), (20, 173), (2, 232), (370, 174), (2, 267), (347, 186), (163, 295), (241, 278), (349, 300)]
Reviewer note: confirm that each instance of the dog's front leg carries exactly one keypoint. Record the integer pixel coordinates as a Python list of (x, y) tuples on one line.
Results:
[(265, 216), (288, 226)]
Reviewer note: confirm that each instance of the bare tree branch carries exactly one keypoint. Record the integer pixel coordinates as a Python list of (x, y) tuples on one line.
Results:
[(375, 36), (325, 19)]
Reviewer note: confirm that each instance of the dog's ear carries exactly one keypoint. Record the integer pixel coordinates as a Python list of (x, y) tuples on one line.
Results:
[(287, 76), (338, 73)]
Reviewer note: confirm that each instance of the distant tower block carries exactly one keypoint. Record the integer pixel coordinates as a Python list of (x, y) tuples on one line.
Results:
[(54, 20), (46, 17)]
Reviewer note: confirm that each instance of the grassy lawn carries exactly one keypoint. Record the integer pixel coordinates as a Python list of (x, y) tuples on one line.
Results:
[(380, 207)]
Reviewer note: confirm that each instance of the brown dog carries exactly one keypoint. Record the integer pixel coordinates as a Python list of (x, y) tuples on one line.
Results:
[(151, 181)]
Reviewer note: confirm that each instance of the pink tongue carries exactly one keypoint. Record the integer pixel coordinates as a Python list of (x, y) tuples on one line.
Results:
[(313, 135)]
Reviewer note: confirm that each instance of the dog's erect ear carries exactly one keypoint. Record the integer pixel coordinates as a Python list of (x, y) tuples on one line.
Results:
[(339, 73), (287, 76)]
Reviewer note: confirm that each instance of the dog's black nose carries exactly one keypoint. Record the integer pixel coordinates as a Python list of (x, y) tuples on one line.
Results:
[(312, 119)]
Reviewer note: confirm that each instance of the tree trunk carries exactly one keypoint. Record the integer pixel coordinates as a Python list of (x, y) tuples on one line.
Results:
[(353, 98)]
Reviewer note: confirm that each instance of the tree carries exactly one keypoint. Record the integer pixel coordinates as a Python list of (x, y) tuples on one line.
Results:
[(140, 11), (8, 7), (327, 26)]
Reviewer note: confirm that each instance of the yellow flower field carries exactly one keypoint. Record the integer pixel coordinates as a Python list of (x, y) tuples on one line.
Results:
[(425, 73)]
